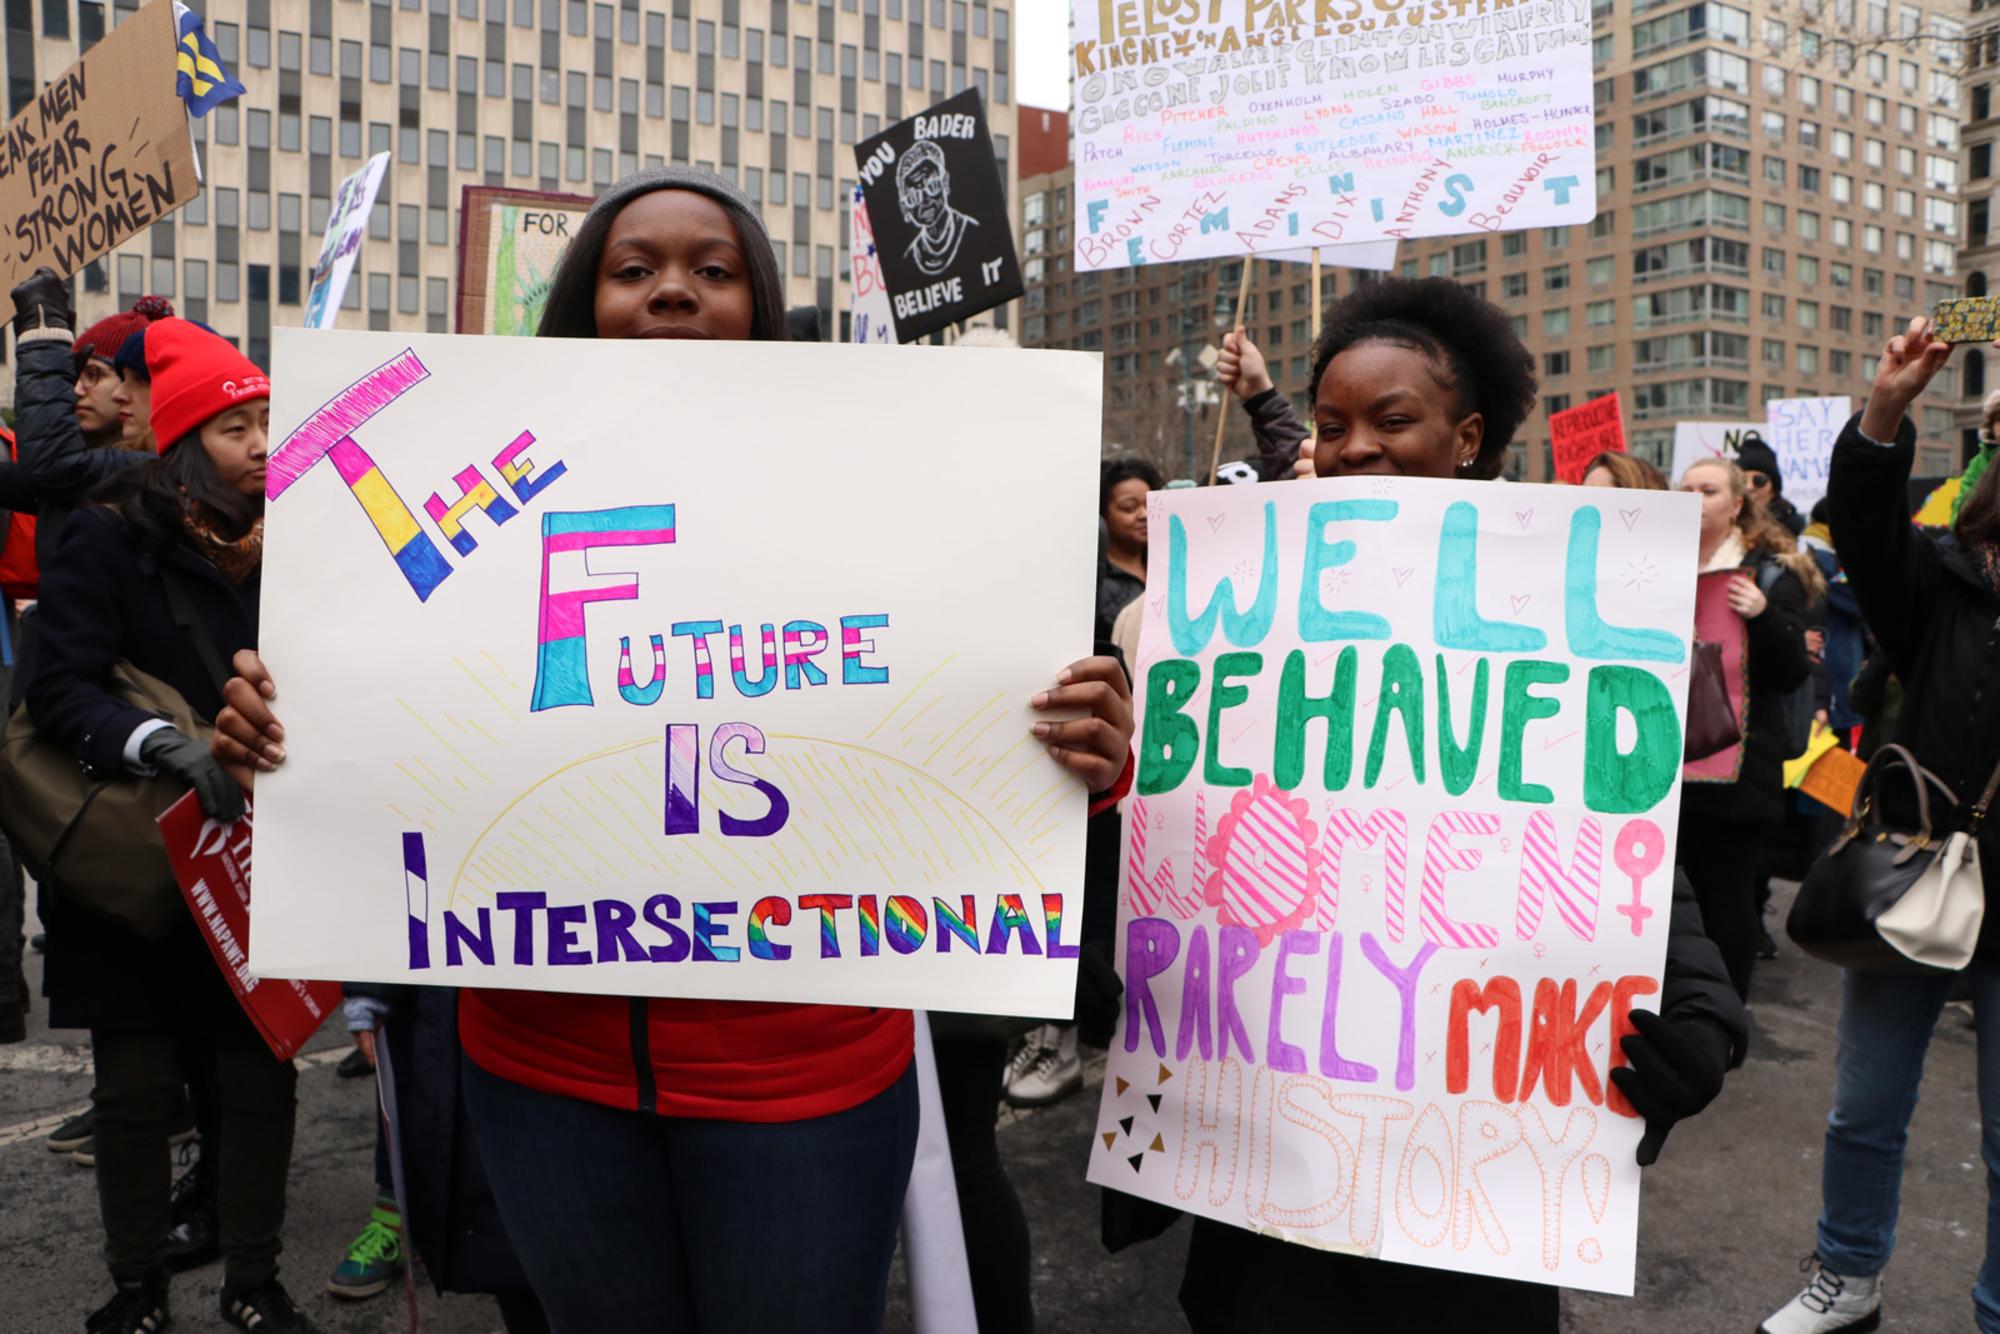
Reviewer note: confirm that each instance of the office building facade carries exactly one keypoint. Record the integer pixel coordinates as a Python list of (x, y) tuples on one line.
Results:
[(1777, 189), (561, 95)]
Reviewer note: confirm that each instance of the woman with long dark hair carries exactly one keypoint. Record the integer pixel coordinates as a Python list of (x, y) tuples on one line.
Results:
[(674, 1165), (1933, 603), (162, 570)]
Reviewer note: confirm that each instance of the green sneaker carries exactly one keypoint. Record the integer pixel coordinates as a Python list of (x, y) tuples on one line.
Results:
[(375, 1258)]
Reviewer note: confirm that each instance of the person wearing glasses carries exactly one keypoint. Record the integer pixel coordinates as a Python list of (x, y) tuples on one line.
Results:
[(1759, 463)]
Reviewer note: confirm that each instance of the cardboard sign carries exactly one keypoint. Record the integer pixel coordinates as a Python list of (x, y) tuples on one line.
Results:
[(1200, 131), (607, 713), (212, 864), (509, 244), (942, 234), (346, 225), (1801, 433), (1834, 779), (99, 155), (872, 319), (1408, 787), (1695, 441), (1716, 622), (1578, 435)]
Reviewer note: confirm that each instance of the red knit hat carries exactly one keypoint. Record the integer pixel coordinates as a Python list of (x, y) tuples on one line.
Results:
[(197, 375), (103, 339)]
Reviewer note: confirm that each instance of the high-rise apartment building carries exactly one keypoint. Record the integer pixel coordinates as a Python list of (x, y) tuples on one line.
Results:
[(1979, 246), (537, 94), (1777, 188)]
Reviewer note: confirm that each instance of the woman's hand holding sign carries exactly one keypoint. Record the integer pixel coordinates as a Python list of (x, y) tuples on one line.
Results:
[(1909, 363), (248, 737), (1094, 747)]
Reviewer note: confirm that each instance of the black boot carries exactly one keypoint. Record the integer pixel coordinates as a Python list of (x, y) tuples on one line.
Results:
[(195, 1238)]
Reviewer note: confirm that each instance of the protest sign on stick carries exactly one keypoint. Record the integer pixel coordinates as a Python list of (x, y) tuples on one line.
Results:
[(212, 866), (100, 154), (599, 716), (1399, 864), (1695, 441), (1801, 433), (509, 243), (937, 209), (346, 225), (1579, 434), (1238, 129)]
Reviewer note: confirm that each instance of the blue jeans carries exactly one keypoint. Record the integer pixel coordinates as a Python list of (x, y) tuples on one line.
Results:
[(626, 1221), (1885, 1025)]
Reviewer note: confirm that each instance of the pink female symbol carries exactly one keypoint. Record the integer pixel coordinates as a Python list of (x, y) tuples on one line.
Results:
[(1638, 851)]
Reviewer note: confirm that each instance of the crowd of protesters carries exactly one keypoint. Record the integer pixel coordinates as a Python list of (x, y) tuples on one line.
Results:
[(604, 1164)]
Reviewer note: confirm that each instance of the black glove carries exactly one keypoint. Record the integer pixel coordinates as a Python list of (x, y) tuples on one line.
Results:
[(1676, 1070), (42, 302), (181, 756), (1098, 990)]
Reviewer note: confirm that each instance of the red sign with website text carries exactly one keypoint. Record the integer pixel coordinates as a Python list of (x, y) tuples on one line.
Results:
[(212, 863)]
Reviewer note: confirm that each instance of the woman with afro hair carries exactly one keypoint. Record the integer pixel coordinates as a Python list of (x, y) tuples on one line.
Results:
[(1425, 378)]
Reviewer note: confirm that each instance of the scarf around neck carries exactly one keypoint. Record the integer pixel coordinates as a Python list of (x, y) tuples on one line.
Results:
[(237, 558)]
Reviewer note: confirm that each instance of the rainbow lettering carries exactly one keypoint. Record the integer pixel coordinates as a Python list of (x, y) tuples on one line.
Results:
[(907, 924), (871, 927), (773, 911)]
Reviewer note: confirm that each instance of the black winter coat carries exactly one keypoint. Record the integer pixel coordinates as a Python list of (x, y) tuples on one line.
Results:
[(55, 461), (1936, 618), (1778, 665), (1279, 433), (103, 601)]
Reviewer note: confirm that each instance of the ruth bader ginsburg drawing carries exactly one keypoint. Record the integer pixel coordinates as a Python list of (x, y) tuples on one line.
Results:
[(938, 206)]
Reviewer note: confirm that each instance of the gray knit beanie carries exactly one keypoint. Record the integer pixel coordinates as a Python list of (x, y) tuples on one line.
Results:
[(675, 177)]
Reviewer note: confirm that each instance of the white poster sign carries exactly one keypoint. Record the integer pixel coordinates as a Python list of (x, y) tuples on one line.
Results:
[(345, 226), (1249, 128), (1695, 441), (577, 700), (1801, 433), (1399, 866)]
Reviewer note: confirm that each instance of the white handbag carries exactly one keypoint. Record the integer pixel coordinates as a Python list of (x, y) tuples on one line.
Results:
[(1936, 922)]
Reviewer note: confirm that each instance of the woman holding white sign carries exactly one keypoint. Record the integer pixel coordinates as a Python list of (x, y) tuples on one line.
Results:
[(1423, 378), (672, 1165)]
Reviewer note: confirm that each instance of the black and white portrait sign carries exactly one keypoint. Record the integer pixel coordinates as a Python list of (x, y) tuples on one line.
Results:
[(938, 208)]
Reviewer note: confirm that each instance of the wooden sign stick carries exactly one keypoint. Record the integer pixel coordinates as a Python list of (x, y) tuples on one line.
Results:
[(1222, 417)]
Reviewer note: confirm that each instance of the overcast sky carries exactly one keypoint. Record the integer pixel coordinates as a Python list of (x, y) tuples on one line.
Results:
[(1041, 74)]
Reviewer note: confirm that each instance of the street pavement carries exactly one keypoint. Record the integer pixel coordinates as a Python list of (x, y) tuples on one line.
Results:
[(1727, 1213)]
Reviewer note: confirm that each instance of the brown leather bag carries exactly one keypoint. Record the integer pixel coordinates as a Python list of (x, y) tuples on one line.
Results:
[(94, 841)]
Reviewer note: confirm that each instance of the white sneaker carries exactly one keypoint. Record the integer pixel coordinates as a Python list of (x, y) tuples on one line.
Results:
[(1830, 1302), (1026, 1054), (1056, 1073)]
